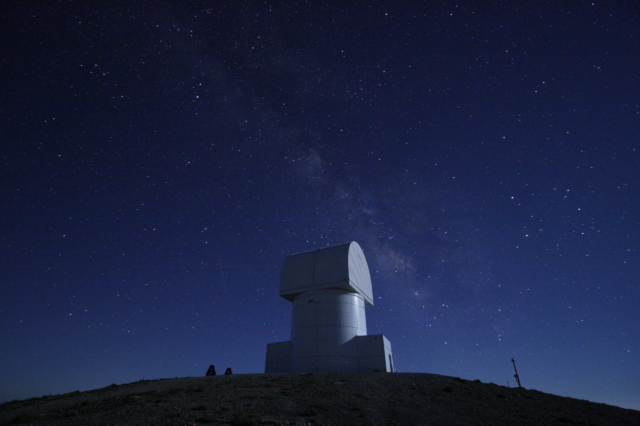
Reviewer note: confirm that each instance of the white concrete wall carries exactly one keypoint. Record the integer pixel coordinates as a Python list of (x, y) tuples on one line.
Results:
[(279, 357), (374, 353), (321, 325)]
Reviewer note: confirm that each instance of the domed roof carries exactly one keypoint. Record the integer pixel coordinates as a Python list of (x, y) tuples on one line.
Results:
[(343, 267)]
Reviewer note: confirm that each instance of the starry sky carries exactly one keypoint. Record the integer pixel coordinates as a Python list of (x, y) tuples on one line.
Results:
[(159, 160)]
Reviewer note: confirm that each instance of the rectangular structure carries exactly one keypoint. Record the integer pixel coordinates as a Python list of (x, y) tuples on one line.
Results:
[(279, 357)]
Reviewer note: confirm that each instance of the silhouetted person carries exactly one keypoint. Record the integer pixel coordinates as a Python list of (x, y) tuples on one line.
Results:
[(211, 371)]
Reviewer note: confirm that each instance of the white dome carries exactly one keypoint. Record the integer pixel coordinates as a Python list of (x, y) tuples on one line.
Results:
[(342, 267)]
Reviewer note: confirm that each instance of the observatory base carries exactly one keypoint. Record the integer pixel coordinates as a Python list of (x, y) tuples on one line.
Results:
[(361, 353)]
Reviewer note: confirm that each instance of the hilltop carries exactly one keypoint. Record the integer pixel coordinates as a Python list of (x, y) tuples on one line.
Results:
[(312, 399)]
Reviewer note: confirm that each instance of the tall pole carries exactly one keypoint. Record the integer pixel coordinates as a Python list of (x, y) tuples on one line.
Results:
[(516, 370)]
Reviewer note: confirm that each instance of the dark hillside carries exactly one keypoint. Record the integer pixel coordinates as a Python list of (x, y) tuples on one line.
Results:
[(313, 399)]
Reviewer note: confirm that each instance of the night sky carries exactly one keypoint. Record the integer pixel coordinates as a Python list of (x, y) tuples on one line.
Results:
[(159, 160)]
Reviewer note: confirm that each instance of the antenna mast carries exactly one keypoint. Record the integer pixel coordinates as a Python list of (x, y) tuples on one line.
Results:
[(516, 370)]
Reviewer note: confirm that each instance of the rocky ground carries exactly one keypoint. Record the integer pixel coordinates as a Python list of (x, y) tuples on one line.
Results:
[(312, 399)]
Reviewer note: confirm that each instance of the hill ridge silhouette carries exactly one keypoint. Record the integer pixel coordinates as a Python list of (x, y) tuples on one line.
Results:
[(313, 399)]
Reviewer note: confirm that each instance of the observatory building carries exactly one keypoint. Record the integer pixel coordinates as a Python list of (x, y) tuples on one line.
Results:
[(329, 289)]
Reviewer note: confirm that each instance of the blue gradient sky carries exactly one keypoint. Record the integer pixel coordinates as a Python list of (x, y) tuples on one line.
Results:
[(159, 161)]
